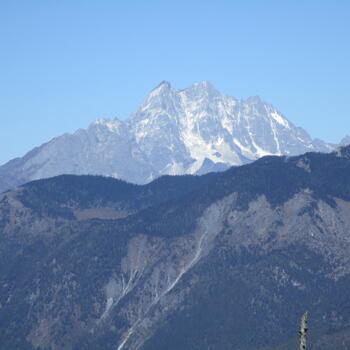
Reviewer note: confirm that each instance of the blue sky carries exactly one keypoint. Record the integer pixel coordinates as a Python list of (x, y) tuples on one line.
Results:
[(65, 63)]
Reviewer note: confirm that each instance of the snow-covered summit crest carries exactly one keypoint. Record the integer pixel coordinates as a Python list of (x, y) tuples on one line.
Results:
[(112, 125), (202, 89), (180, 130), (162, 87), (174, 131)]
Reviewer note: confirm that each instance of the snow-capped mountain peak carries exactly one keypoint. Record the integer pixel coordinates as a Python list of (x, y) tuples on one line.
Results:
[(192, 130), (181, 129)]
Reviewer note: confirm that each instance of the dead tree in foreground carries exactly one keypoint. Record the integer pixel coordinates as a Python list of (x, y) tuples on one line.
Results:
[(303, 331)]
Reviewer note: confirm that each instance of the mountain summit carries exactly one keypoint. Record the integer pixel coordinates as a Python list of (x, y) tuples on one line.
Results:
[(189, 131)]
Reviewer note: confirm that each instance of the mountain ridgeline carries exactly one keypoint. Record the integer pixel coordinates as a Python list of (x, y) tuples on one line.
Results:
[(226, 260), (191, 131)]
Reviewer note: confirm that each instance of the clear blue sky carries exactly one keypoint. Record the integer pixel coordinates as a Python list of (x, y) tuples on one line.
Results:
[(65, 63)]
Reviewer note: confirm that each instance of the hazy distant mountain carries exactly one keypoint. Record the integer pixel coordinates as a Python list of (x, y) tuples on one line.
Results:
[(195, 130), (227, 260), (345, 141)]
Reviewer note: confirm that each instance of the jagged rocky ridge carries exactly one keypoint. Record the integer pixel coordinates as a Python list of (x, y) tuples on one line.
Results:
[(222, 261), (190, 131)]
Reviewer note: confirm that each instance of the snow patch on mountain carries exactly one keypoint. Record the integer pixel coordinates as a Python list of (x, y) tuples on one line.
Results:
[(280, 120)]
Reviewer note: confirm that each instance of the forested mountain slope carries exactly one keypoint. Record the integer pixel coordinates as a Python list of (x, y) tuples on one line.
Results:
[(223, 261)]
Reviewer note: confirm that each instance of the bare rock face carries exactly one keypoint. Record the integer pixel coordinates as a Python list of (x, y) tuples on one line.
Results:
[(195, 130), (219, 261)]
